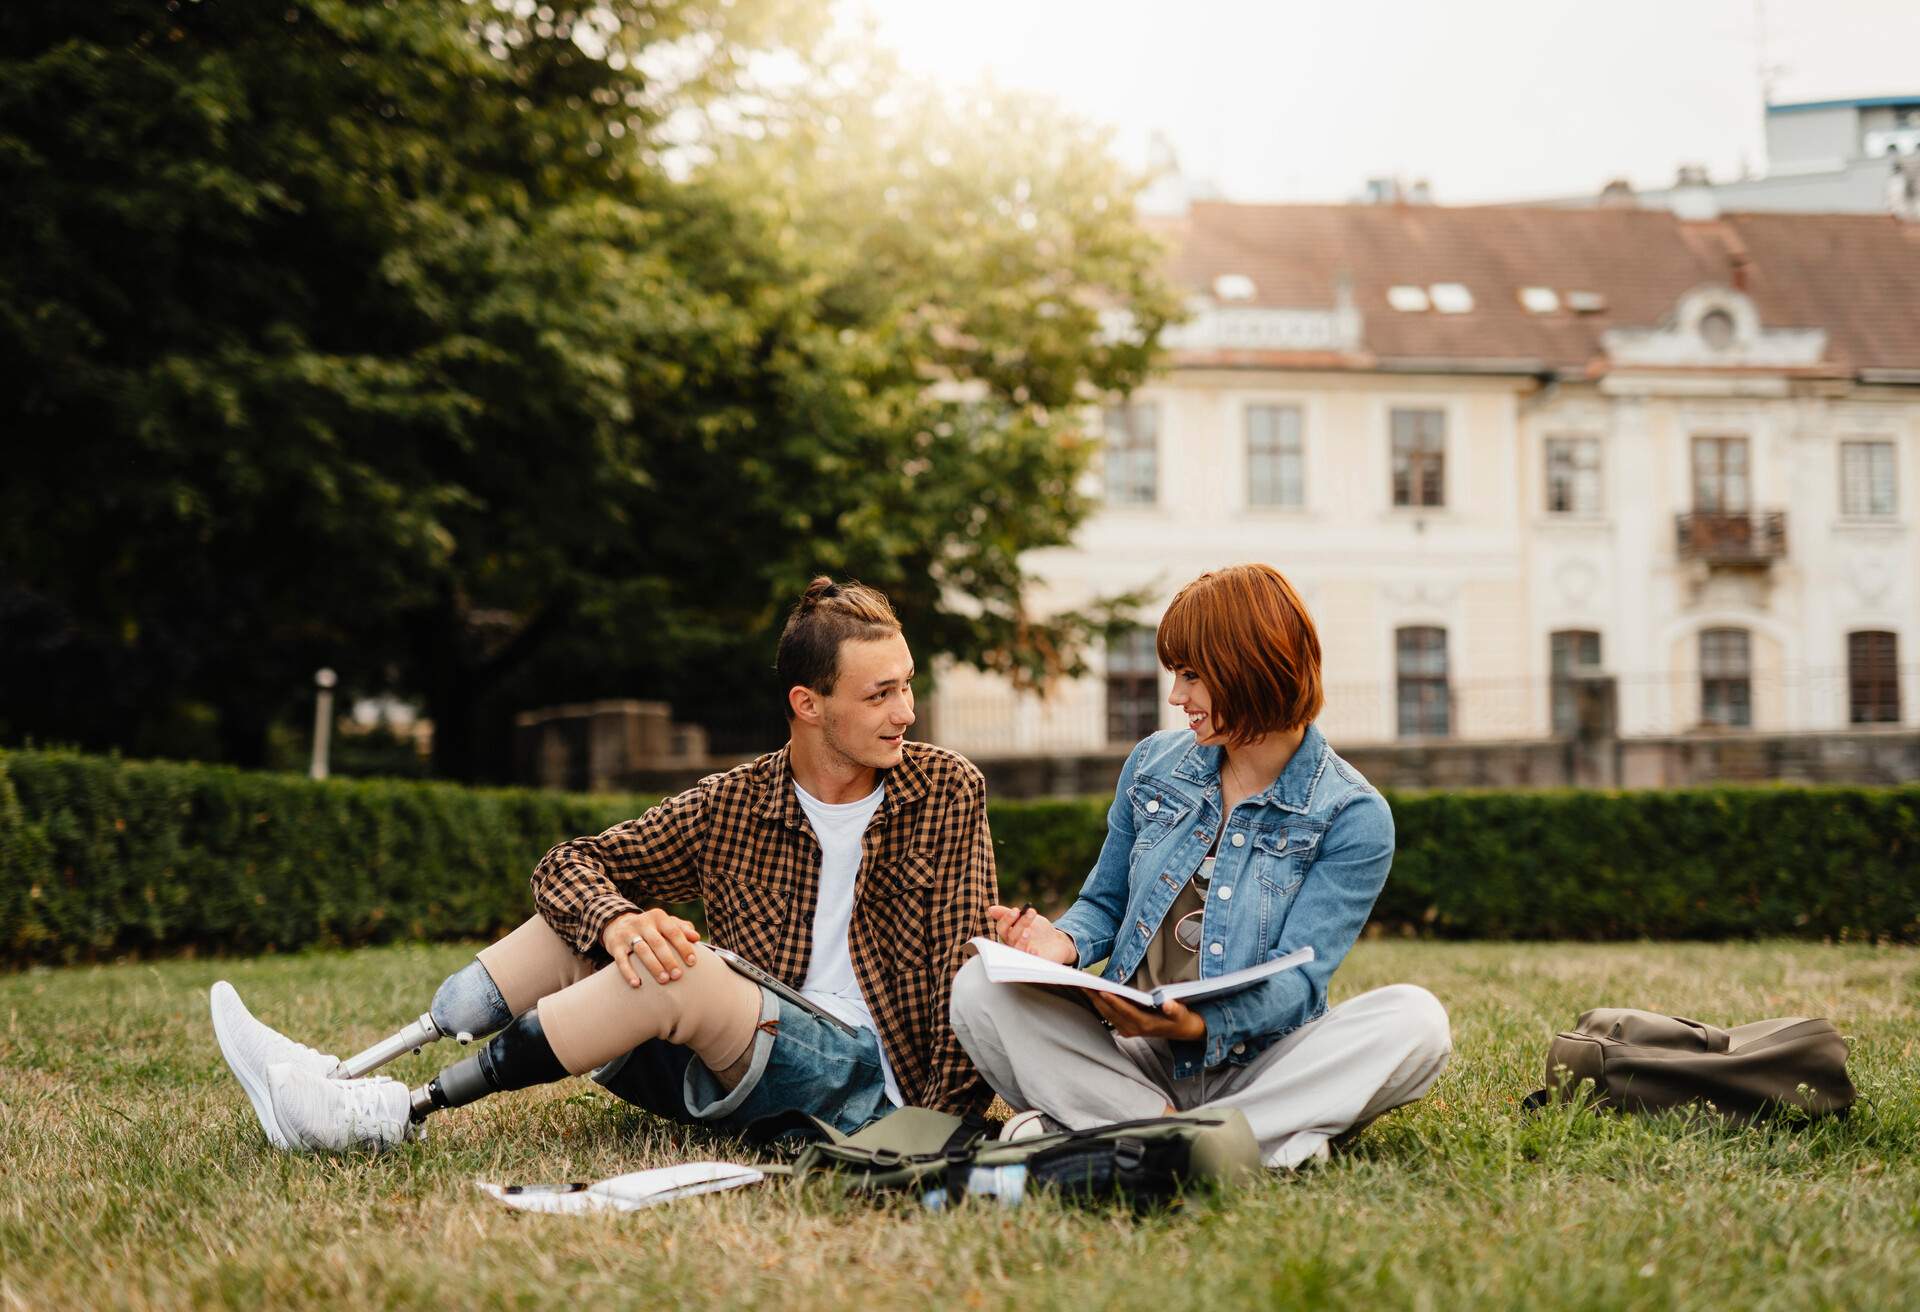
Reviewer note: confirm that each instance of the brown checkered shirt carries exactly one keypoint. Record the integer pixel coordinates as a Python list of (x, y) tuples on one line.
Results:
[(740, 842)]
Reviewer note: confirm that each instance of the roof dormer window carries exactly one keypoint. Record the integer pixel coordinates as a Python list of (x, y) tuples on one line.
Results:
[(1539, 300), (1233, 287), (1717, 329)]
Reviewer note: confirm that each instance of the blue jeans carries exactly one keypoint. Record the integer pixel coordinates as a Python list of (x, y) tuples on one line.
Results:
[(807, 1065)]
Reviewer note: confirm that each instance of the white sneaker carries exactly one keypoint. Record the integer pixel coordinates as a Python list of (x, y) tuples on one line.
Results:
[(335, 1115), (1029, 1124), (1321, 1155), (251, 1047)]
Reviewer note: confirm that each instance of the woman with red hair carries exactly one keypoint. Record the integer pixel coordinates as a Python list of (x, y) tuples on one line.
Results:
[(1231, 842)]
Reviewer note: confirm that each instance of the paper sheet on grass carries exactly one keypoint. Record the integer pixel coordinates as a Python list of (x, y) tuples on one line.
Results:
[(1007, 965), (624, 1193)]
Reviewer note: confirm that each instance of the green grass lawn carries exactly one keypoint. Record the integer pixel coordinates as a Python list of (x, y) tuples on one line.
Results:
[(135, 1175)]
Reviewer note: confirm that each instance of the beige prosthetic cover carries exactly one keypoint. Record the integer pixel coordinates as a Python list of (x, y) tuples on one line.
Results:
[(532, 962), (709, 1009), (590, 1017)]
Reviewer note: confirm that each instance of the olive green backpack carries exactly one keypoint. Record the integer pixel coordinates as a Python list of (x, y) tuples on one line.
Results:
[(1641, 1061), (943, 1158)]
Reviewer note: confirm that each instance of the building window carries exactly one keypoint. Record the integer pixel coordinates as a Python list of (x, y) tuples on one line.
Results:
[(1726, 678), (1419, 457), (1866, 478), (1421, 662), (1570, 651), (1873, 678), (1133, 686), (1133, 455), (1721, 484), (1276, 474), (1573, 475), (1717, 330)]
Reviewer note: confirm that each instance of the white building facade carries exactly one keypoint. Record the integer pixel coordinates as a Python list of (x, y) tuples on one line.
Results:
[(1513, 460)]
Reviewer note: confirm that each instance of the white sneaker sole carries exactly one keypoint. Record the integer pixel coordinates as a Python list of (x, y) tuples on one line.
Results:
[(224, 1002)]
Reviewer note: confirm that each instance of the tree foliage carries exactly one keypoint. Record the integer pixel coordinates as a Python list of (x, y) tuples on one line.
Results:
[(501, 354)]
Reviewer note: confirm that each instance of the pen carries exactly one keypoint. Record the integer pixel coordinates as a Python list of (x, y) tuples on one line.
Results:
[(1024, 908)]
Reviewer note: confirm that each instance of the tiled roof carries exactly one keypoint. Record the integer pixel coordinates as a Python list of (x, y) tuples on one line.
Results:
[(1856, 276)]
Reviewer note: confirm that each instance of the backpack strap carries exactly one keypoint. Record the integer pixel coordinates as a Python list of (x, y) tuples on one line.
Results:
[(968, 1134)]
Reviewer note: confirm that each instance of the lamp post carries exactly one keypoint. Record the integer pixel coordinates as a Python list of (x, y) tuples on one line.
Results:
[(323, 679)]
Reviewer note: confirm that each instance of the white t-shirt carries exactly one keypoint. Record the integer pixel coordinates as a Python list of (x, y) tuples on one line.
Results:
[(830, 982)]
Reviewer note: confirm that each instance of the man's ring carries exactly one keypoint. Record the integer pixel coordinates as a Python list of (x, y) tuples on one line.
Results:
[(633, 942)]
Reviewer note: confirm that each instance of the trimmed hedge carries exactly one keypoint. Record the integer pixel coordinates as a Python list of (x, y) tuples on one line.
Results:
[(1710, 863), (100, 856)]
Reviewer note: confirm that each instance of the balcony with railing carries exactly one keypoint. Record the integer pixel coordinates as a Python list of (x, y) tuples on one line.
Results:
[(1756, 539)]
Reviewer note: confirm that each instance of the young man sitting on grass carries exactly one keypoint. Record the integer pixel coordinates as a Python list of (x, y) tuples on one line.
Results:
[(852, 865)]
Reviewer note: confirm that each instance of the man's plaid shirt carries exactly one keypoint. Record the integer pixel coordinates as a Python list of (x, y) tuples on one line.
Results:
[(740, 842)]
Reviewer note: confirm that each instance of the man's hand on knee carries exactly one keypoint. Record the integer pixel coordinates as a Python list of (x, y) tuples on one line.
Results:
[(659, 941)]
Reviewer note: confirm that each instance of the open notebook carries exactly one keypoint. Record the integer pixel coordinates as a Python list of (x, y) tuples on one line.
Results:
[(1007, 965), (624, 1193)]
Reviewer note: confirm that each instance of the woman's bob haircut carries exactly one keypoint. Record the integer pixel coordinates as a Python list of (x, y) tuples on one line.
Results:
[(1244, 631)]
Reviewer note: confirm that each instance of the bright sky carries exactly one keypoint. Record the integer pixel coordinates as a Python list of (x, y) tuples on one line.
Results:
[(1489, 99)]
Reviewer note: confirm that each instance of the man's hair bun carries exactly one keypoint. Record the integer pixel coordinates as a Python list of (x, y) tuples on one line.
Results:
[(817, 591)]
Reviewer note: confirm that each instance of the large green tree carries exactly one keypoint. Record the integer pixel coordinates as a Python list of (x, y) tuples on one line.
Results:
[(449, 344), (933, 283), (324, 327)]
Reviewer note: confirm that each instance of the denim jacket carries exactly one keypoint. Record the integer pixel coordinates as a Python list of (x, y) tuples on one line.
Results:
[(1299, 864)]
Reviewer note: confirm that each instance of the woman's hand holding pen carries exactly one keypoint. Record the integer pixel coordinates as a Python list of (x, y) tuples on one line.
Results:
[(1026, 929)]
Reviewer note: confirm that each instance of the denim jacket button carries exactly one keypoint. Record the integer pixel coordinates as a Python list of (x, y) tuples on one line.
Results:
[(1225, 893), (1239, 1048), (1216, 949), (1153, 806), (1239, 840)]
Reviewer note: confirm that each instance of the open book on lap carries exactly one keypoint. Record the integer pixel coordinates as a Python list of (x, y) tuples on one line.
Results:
[(1005, 965)]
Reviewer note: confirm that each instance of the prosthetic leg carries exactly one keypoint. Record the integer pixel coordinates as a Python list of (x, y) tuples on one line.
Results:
[(506, 979), (468, 1004), (713, 1011), (551, 1014)]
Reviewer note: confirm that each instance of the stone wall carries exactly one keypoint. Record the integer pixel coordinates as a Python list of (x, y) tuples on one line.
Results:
[(605, 746)]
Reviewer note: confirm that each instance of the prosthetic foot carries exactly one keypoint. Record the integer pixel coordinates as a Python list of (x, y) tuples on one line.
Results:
[(323, 1115), (320, 1113), (251, 1048), (467, 1004)]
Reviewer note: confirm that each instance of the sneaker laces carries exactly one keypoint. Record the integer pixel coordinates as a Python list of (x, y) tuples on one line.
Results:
[(363, 1106)]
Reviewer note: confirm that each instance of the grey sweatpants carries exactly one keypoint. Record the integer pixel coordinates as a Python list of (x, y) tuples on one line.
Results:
[(1363, 1058)]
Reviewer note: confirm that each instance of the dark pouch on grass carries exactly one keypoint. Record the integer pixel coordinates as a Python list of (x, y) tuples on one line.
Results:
[(1641, 1061), (915, 1150)]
